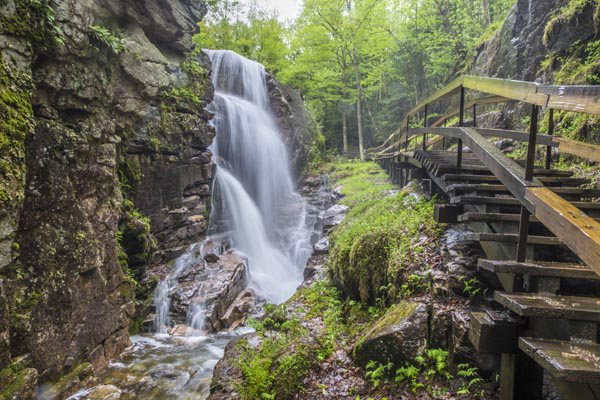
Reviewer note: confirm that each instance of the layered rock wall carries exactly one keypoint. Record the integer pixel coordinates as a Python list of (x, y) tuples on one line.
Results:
[(108, 126)]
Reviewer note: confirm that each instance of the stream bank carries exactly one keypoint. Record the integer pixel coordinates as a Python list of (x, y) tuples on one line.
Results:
[(402, 334)]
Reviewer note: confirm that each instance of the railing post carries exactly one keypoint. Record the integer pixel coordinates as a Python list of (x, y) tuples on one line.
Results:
[(531, 145), (524, 220), (461, 123), (444, 139), (550, 132), (425, 126), (474, 115), (407, 129)]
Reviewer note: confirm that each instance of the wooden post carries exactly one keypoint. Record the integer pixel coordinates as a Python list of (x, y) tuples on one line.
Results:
[(407, 129), (444, 138), (531, 145), (522, 244), (461, 123), (425, 126), (474, 115), (550, 132), (525, 214)]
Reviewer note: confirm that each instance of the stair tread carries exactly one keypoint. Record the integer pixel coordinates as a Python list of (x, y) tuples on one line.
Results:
[(492, 217), (551, 306), (504, 189), (491, 178), (568, 361), (512, 237), (539, 268), (584, 205)]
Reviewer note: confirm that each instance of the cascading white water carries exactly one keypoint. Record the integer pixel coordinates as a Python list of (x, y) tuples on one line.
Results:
[(258, 210)]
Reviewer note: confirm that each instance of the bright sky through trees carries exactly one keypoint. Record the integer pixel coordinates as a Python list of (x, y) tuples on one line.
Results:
[(287, 9)]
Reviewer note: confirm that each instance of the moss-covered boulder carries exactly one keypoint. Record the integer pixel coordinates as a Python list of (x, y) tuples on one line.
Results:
[(17, 381), (398, 337)]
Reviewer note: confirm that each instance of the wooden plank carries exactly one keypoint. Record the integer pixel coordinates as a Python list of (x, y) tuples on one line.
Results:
[(584, 150), (517, 90), (566, 361), (513, 238), (507, 201), (583, 99), (491, 217), (579, 232), (479, 101), (511, 174), (564, 190), (551, 306), (537, 268), (494, 335), (519, 136)]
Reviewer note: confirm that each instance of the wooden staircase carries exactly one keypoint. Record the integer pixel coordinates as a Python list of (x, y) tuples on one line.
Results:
[(533, 290), (538, 227)]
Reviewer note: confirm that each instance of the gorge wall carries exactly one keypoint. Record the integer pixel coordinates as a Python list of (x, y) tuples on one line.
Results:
[(107, 125), (536, 30), (105, 172)]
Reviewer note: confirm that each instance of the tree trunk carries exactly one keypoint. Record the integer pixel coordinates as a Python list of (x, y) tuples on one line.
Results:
[(345, 131), (375, 127), (486, 11), (358, 106)]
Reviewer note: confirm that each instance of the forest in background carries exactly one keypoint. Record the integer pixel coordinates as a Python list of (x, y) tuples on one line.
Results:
[(360, 65)]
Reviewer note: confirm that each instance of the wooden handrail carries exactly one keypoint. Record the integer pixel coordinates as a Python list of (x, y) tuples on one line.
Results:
[(572, 226), (585, 99), (545, 140)]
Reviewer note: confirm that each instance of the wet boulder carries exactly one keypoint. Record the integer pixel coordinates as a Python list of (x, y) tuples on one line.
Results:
[(227, 374), (211, 287), (334, 216), (322, 246), (399, 336)]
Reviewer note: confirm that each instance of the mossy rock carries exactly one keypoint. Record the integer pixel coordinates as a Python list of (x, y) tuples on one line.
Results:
[(17, 382), (70, 383), (291, 367), (398, 337)]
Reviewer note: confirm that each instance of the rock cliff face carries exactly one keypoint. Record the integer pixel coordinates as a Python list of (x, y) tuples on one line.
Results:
[(107, 124), (298, 127), (518, 49)]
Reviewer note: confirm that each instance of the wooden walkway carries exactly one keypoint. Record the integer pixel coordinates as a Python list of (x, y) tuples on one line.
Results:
[(537, 226)]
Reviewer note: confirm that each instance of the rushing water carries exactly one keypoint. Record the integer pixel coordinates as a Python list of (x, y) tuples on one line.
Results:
[(255, 209), (258, 209)]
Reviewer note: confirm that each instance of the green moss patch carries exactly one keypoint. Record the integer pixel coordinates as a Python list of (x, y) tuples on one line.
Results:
[(16, 123), (382, 235)]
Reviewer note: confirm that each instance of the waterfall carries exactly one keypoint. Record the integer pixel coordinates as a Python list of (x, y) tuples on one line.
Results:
[(257, 208)]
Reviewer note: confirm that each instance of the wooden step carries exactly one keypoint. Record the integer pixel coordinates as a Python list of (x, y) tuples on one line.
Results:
[(566, 361), (474, 200), (494, 331), (492, 217), (546, 180), (510, 201), (513, 238), (502, 189), (496, 217), (551, 306), (539, 268)]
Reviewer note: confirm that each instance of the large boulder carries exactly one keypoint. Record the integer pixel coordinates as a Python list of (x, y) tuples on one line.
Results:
[(398, 337), (297, 126), (214, 286)]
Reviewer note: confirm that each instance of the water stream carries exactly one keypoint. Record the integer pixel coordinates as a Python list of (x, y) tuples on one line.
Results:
[(255, 210)]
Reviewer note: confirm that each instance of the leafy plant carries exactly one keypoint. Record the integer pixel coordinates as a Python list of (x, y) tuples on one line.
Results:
[(472, 286), (105, 37), (470, 378), (376, 372)]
